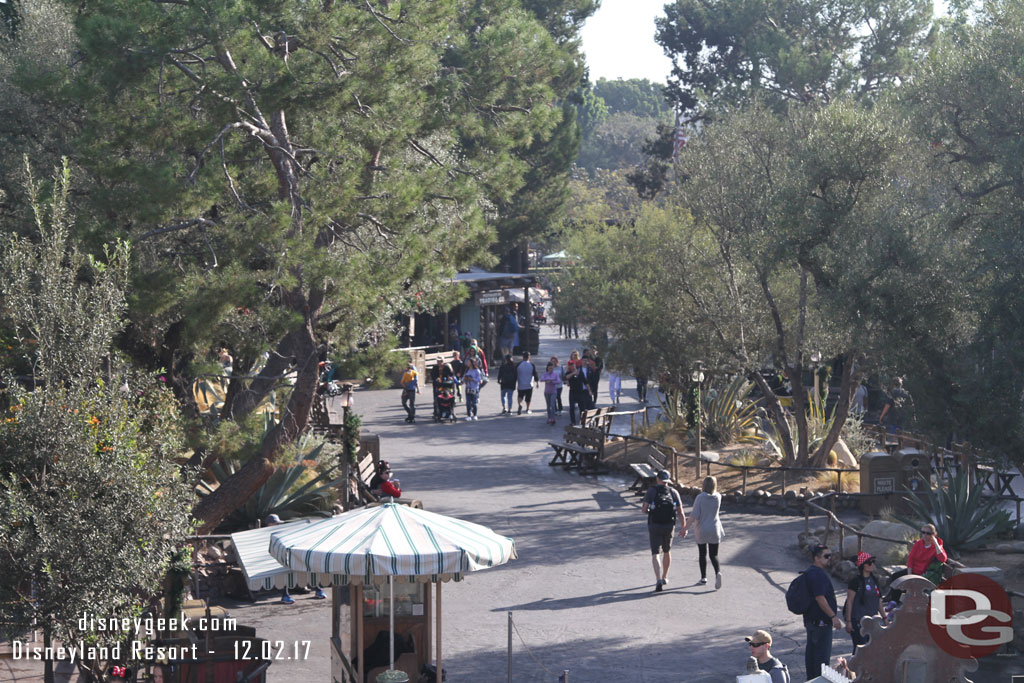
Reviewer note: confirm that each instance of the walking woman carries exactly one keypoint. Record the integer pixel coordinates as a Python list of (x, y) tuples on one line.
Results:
[(708, 529)]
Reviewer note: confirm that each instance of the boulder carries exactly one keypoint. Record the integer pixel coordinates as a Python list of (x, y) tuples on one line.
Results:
[(887, 552), (844, 457), (845, 571), (1011, 547)]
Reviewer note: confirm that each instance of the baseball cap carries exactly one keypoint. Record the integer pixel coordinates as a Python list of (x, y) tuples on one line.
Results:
[(759, 637), (273, 519), (863, 558), (664, 475)]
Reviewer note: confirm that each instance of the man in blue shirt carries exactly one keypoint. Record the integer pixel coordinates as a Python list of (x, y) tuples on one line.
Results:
[(823, 616)]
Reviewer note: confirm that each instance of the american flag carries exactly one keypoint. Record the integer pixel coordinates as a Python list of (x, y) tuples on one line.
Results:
[(678, 139)]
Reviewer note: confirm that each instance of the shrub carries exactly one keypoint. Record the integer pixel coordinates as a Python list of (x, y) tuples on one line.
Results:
[(744, 459), (730, 416), (963, 519), (850, 479)]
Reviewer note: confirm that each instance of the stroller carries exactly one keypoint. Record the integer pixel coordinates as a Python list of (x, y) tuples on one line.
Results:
[(444, 403)]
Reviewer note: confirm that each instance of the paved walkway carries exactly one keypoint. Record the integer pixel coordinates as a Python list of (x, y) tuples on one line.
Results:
[(581, 591)]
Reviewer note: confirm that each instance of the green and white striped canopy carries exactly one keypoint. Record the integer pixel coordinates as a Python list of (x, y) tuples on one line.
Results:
[(389, 540)]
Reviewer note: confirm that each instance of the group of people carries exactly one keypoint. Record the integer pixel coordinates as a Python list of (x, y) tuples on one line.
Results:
[(517, 381)]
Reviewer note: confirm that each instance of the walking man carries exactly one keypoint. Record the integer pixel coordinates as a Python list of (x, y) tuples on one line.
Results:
[(823, 616), (410, 387), (662, 507), (507, 384), (760, 649), (578, 379), (526, 379)]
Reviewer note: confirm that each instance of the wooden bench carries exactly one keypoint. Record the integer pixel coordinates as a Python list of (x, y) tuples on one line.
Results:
[(646, 475), (430, 361), (363, 473), (581, 448), (597, 418)]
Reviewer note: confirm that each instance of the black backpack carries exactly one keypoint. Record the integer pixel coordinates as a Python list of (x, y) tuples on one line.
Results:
[(798, 595), (663, 509)]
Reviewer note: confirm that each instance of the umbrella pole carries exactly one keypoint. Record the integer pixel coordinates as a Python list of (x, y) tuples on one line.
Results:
[(359, 630), (391, 614), (437, 679)]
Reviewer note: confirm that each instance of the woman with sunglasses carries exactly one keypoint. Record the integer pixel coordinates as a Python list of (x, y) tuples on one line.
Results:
[(382, 484), (927, 555), (863, 598)]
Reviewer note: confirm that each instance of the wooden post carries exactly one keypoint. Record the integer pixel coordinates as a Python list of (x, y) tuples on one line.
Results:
[(839, 482), (807, 517), (842, 536), (744, 489), (437, 678), (357, 604), (625, 448), (860, 544), (783, 481)]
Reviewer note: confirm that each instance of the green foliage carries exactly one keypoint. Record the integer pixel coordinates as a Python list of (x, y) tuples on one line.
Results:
[(372, 363), (962, 517), (731, 416), (294, 489), (635, 96), (91, 504), (744, 459), (799, 50)]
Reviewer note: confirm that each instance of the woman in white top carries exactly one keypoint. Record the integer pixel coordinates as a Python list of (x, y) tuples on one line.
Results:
[(707, 527)]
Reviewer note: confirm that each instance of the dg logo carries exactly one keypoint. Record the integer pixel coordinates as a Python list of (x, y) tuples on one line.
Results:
[(970, 615)]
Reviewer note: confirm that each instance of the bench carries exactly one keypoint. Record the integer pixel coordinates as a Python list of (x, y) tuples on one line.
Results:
[(430, 360), (597, 418), (646, 474), (581, 448), (363, 473)]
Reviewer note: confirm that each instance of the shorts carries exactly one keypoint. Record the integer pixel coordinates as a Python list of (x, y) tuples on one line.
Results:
[(525, 393), (661, 537)]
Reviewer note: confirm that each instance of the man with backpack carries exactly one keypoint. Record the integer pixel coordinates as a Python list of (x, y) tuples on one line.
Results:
[(662, 506), (812, 595), (760, 649)]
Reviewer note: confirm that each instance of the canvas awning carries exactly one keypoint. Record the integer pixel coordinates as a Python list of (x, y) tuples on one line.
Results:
[(261, 570)]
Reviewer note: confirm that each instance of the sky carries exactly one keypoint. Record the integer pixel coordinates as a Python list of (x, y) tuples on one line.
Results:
[(619, 41)]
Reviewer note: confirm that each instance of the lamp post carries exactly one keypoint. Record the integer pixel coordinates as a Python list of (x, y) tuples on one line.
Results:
[(815, 359), (698, 378), (346, 449)]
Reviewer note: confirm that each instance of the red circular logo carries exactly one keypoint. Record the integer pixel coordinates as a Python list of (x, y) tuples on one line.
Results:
[(970, 616)]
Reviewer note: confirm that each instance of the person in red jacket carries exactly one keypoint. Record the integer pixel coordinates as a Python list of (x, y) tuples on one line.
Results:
[(926, 550), (383, 482)]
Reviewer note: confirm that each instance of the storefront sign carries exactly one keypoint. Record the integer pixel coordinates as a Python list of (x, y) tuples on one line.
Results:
[(493, 297)]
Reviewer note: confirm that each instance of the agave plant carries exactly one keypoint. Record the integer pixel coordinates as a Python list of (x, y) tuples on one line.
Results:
[(283, 494), (730, 416), (962, 518)]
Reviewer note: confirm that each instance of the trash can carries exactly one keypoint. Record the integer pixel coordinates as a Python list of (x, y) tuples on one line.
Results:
[(880, 473), (916, 470)]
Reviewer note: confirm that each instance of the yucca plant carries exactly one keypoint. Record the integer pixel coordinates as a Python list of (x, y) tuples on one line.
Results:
[(730, 416), (673, 406), (283, 494), (963, 519)]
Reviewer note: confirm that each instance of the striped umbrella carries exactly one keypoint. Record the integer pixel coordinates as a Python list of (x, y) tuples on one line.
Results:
[(390, 540)]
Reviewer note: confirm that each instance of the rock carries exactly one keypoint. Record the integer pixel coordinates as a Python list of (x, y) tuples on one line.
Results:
[(1011, 547), (789, 495), (844, 457), (845, 571), (887, 552), (994, 573)]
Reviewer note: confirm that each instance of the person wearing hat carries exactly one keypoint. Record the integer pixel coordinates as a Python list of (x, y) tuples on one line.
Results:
[(863, 598), (410, 387), (760, 649), (662, 506)]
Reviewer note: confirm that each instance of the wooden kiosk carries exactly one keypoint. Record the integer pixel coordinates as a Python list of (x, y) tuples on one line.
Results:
[(369, 616)]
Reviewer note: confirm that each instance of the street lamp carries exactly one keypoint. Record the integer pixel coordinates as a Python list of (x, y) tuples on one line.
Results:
[(815, 359), (347, 401), (698, 378)]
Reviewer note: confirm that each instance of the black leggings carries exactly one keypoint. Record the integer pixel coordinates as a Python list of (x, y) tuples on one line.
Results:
[(702, 558)]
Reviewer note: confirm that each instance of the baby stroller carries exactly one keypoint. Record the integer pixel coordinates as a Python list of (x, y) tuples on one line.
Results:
[(445, 401)]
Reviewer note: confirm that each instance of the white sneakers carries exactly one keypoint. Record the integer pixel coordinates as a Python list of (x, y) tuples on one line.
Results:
[(718, 580)]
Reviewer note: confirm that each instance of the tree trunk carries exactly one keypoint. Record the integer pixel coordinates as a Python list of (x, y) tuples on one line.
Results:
[(277, 365), (47, 662), (240, 486), (795, 375), (842, 411), (778, 416)]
